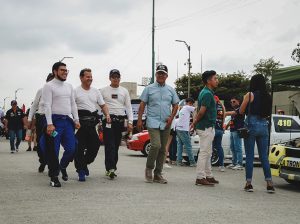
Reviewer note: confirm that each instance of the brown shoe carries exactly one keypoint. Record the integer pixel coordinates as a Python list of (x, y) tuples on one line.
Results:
[(159, 179), (212, 180), (148, 175), (205, 182)]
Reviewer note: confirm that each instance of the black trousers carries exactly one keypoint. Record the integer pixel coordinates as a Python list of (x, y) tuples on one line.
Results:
[(39, 124), (87, 148), (112, 139)]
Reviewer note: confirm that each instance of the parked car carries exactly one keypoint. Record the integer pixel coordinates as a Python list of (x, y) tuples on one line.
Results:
[(283, 128)]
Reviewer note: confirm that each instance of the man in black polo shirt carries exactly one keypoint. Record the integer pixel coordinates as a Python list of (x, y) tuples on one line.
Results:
[(14, 123)]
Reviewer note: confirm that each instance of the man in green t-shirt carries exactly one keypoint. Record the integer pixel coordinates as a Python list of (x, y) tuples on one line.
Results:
[(204, 122)]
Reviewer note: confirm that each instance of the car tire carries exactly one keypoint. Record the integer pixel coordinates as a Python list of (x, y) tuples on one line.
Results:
[(293, 182), (146, 148)]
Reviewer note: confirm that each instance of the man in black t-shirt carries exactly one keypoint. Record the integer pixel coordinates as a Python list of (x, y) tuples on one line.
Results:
[(14, 123)]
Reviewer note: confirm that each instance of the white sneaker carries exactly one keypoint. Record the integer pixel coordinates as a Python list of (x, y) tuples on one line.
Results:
[(238, 167), (230, 166), (167, 166), (221, 168)]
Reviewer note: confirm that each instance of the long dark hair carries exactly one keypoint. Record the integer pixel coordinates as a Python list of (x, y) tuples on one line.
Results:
[(258, 84)]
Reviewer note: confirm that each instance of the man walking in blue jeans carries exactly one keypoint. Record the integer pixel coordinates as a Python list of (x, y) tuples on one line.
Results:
[(183, 132), (159, 97), (236, 122), (205, 122)]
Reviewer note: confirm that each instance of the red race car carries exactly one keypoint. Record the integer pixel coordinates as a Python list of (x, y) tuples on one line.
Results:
[(140, 142)]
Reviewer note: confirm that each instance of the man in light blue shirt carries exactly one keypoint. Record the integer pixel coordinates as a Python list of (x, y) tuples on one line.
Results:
[(159, 97)]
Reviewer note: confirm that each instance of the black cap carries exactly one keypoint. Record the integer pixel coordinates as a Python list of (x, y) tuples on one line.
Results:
[(13, 102), (114, 71), (162, 68)]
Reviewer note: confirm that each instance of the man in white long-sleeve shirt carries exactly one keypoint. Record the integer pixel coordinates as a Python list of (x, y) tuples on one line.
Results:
[(118, 101), (87, 98), (61, 116), (37, 110)]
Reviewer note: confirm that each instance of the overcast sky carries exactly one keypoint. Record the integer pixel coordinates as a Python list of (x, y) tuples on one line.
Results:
[(231, 35)]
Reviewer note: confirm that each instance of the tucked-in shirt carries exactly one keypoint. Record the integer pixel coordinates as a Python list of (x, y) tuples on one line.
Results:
[(15, 119), (159, 99), (183, 123), (117, 101), (88, 99), (206, 99), (58, 98)]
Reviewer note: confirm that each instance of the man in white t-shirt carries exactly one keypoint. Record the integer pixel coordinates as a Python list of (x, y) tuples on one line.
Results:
[(118, 101), (183, 132), (87, 98)]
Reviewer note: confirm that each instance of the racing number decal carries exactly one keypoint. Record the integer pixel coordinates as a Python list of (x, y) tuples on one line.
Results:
[(284, 123)]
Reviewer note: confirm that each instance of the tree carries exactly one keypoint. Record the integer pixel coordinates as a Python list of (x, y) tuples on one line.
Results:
[(296, 54), (236, 84), (267, 67)]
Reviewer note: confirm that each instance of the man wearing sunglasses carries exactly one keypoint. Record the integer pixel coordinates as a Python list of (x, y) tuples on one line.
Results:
[(61, 117), (159, 98), (118, 102), (236, 122)]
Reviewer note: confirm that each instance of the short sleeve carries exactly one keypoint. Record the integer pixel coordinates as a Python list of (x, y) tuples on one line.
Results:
[(144, 96), (100, 100), (206, 100)]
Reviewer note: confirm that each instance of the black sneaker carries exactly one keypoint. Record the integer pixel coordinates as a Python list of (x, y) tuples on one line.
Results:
[(34, 148), (64, 174), (12, 151), (270, 189), (111, 174), (54, 182), (29, 149), (42, 168), (87, 172), (248, 188)]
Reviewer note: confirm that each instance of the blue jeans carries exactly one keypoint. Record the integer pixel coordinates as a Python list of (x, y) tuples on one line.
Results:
[(12, 135), (236, 148), (259, 133), (184, 138), (217, 144), (173, 147)]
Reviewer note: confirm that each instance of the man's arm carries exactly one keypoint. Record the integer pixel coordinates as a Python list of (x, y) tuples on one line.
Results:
[(140, 116), (198, 116), (105, 111)]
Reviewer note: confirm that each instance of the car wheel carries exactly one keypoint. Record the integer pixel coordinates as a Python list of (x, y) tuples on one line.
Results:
[(147, 148), (214, 157), (294, 182)]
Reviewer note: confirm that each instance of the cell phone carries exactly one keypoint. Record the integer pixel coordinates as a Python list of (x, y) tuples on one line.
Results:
[(54, 134)]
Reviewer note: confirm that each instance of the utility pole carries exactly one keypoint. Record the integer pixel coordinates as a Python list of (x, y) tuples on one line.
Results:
[(153, 52), (64, 58), (16, 92), (4, 103), (189, 65)]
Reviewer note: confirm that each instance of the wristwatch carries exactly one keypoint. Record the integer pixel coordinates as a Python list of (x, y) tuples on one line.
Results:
[(130, 122)]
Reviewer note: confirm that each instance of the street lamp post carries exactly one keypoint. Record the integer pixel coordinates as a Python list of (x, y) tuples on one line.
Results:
[(16, 92), (4, 102), (189, 65), (64, 58)]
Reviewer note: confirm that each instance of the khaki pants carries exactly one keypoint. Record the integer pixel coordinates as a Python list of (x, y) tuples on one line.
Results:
[(203, 169), (157, 154)]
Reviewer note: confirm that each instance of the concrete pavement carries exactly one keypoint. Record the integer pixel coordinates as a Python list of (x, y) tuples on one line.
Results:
[(26, 196)]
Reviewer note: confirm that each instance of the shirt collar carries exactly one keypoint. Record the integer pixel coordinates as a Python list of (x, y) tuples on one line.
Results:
[(159, 85), (209, 90)]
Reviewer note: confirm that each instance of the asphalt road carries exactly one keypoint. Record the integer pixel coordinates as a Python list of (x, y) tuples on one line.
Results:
[(26, 197)]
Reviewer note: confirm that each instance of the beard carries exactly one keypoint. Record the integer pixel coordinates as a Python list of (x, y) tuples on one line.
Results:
[(61, 79)]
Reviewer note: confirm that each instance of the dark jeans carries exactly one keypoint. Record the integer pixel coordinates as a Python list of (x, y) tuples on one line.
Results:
[(12, 135), (112, 139), (88, 147), (217, 144), (173, 147), (39, 125)]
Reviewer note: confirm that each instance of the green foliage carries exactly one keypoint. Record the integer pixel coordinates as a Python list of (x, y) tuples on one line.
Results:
[(296, 54), (267, 67), (181, 86)]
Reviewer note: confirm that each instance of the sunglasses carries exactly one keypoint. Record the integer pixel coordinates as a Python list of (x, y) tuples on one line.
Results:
[(64, 70)]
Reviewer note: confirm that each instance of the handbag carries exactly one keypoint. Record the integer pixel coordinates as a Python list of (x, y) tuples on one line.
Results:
[(244, 132)]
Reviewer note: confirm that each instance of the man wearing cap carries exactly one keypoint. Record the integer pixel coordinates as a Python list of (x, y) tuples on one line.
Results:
[(61, 116), (159, 97), (87, 98), (14, 123), (118, 101), (205, 121), (37, 111)]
